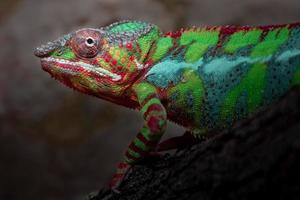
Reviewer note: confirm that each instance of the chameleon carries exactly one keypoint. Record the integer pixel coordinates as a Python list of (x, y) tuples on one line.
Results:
[(204, 79)]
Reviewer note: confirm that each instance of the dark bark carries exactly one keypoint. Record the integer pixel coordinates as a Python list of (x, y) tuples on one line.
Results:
[(258, 158)]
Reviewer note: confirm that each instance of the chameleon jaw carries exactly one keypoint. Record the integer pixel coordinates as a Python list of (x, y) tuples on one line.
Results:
[(74, 66)]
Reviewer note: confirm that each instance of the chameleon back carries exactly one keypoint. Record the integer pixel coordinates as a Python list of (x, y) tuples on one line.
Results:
[(214, 76)]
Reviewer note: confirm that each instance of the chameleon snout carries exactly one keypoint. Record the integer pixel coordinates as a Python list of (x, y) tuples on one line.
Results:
[(46, 49)]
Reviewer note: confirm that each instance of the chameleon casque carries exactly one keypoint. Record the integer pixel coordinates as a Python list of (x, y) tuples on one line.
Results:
[(204, 79)]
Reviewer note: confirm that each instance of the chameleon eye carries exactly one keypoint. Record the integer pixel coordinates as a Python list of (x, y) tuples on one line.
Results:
[(90, 42), (86, 43)]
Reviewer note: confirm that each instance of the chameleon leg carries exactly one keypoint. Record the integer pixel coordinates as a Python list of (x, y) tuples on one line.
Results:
[(186, 140), (155, 119)]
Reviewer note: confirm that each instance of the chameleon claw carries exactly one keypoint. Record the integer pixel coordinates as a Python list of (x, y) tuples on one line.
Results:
[(92, 196), (103, 194), (115, 190)]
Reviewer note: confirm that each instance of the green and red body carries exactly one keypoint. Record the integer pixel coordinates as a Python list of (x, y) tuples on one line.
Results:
[(204, 79)]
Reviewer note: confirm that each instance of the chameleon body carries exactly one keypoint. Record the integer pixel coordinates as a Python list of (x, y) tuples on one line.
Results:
[(204, 79)]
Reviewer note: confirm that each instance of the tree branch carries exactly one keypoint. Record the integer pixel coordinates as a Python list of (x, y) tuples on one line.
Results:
[(258, 157)]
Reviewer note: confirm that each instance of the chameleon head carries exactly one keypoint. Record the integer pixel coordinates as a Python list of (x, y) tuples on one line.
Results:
[(101, 62)]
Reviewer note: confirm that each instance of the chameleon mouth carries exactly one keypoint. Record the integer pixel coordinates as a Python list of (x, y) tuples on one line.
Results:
[(76, 67)]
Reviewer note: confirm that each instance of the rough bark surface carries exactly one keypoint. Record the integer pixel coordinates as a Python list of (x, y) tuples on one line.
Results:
[(258, 158)]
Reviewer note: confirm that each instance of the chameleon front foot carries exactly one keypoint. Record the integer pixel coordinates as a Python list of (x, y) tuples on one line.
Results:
[(123, 169)]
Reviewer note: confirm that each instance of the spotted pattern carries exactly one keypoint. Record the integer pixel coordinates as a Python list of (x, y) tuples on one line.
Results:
[(238, 73)]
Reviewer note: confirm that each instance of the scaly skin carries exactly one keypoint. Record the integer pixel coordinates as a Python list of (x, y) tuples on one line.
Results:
[(201, 78)]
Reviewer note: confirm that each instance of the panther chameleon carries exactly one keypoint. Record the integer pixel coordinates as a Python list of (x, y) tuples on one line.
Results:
[(204, 79)]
